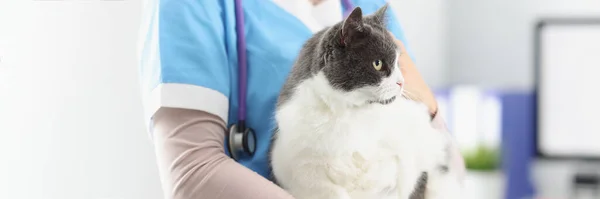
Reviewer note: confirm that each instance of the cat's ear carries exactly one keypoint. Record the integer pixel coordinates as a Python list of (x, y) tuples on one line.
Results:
[(352, 25), (380, 15)]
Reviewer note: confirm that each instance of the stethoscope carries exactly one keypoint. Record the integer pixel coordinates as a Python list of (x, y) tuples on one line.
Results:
[(241, 138)]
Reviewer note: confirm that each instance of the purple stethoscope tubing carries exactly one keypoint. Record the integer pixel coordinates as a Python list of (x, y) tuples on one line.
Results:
[(242, 65), (243, 62)]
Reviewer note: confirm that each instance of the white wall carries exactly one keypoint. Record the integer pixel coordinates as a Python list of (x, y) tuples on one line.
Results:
[(425, 26), (490, 42), (70, 114)]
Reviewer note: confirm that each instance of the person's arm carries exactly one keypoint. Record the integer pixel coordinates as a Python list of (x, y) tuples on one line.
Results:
[(193, 163)]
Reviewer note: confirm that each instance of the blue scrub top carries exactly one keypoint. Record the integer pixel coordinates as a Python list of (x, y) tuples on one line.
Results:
[(189, 59)]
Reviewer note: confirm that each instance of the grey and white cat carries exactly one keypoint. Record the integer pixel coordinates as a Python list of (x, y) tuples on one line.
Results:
[(343, 129)]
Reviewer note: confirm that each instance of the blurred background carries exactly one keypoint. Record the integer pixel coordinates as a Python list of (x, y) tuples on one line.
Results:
[(72, 126)]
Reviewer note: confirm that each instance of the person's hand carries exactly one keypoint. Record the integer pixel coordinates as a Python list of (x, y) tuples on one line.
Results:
[(415, 87)]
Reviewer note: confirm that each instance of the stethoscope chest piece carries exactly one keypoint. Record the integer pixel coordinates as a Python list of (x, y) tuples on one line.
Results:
[(241, 141)]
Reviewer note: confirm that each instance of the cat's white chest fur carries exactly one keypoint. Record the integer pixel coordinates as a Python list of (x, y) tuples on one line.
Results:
[(374, 151)]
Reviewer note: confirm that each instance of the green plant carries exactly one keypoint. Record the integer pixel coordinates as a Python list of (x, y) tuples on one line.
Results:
[(482, 158)]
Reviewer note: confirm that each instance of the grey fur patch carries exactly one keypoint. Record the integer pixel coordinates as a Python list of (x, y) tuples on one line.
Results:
[(420, 187), (271, 176), (445, 168), (384, 102)]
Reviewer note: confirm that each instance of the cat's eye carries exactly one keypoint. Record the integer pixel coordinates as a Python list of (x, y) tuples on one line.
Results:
[(377, 64)]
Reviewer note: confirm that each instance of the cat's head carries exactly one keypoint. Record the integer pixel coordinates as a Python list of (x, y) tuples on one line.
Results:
[(361, 61)]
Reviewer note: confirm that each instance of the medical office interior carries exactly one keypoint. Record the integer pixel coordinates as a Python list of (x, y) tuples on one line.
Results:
[(516, 80)]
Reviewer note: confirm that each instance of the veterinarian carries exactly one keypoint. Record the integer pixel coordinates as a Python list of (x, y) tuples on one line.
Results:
[(191, 78)]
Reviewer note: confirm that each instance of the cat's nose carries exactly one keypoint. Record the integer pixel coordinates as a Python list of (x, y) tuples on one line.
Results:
[(399, 84)]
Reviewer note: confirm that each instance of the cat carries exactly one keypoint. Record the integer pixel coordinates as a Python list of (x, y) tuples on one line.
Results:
[(343, 129)]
